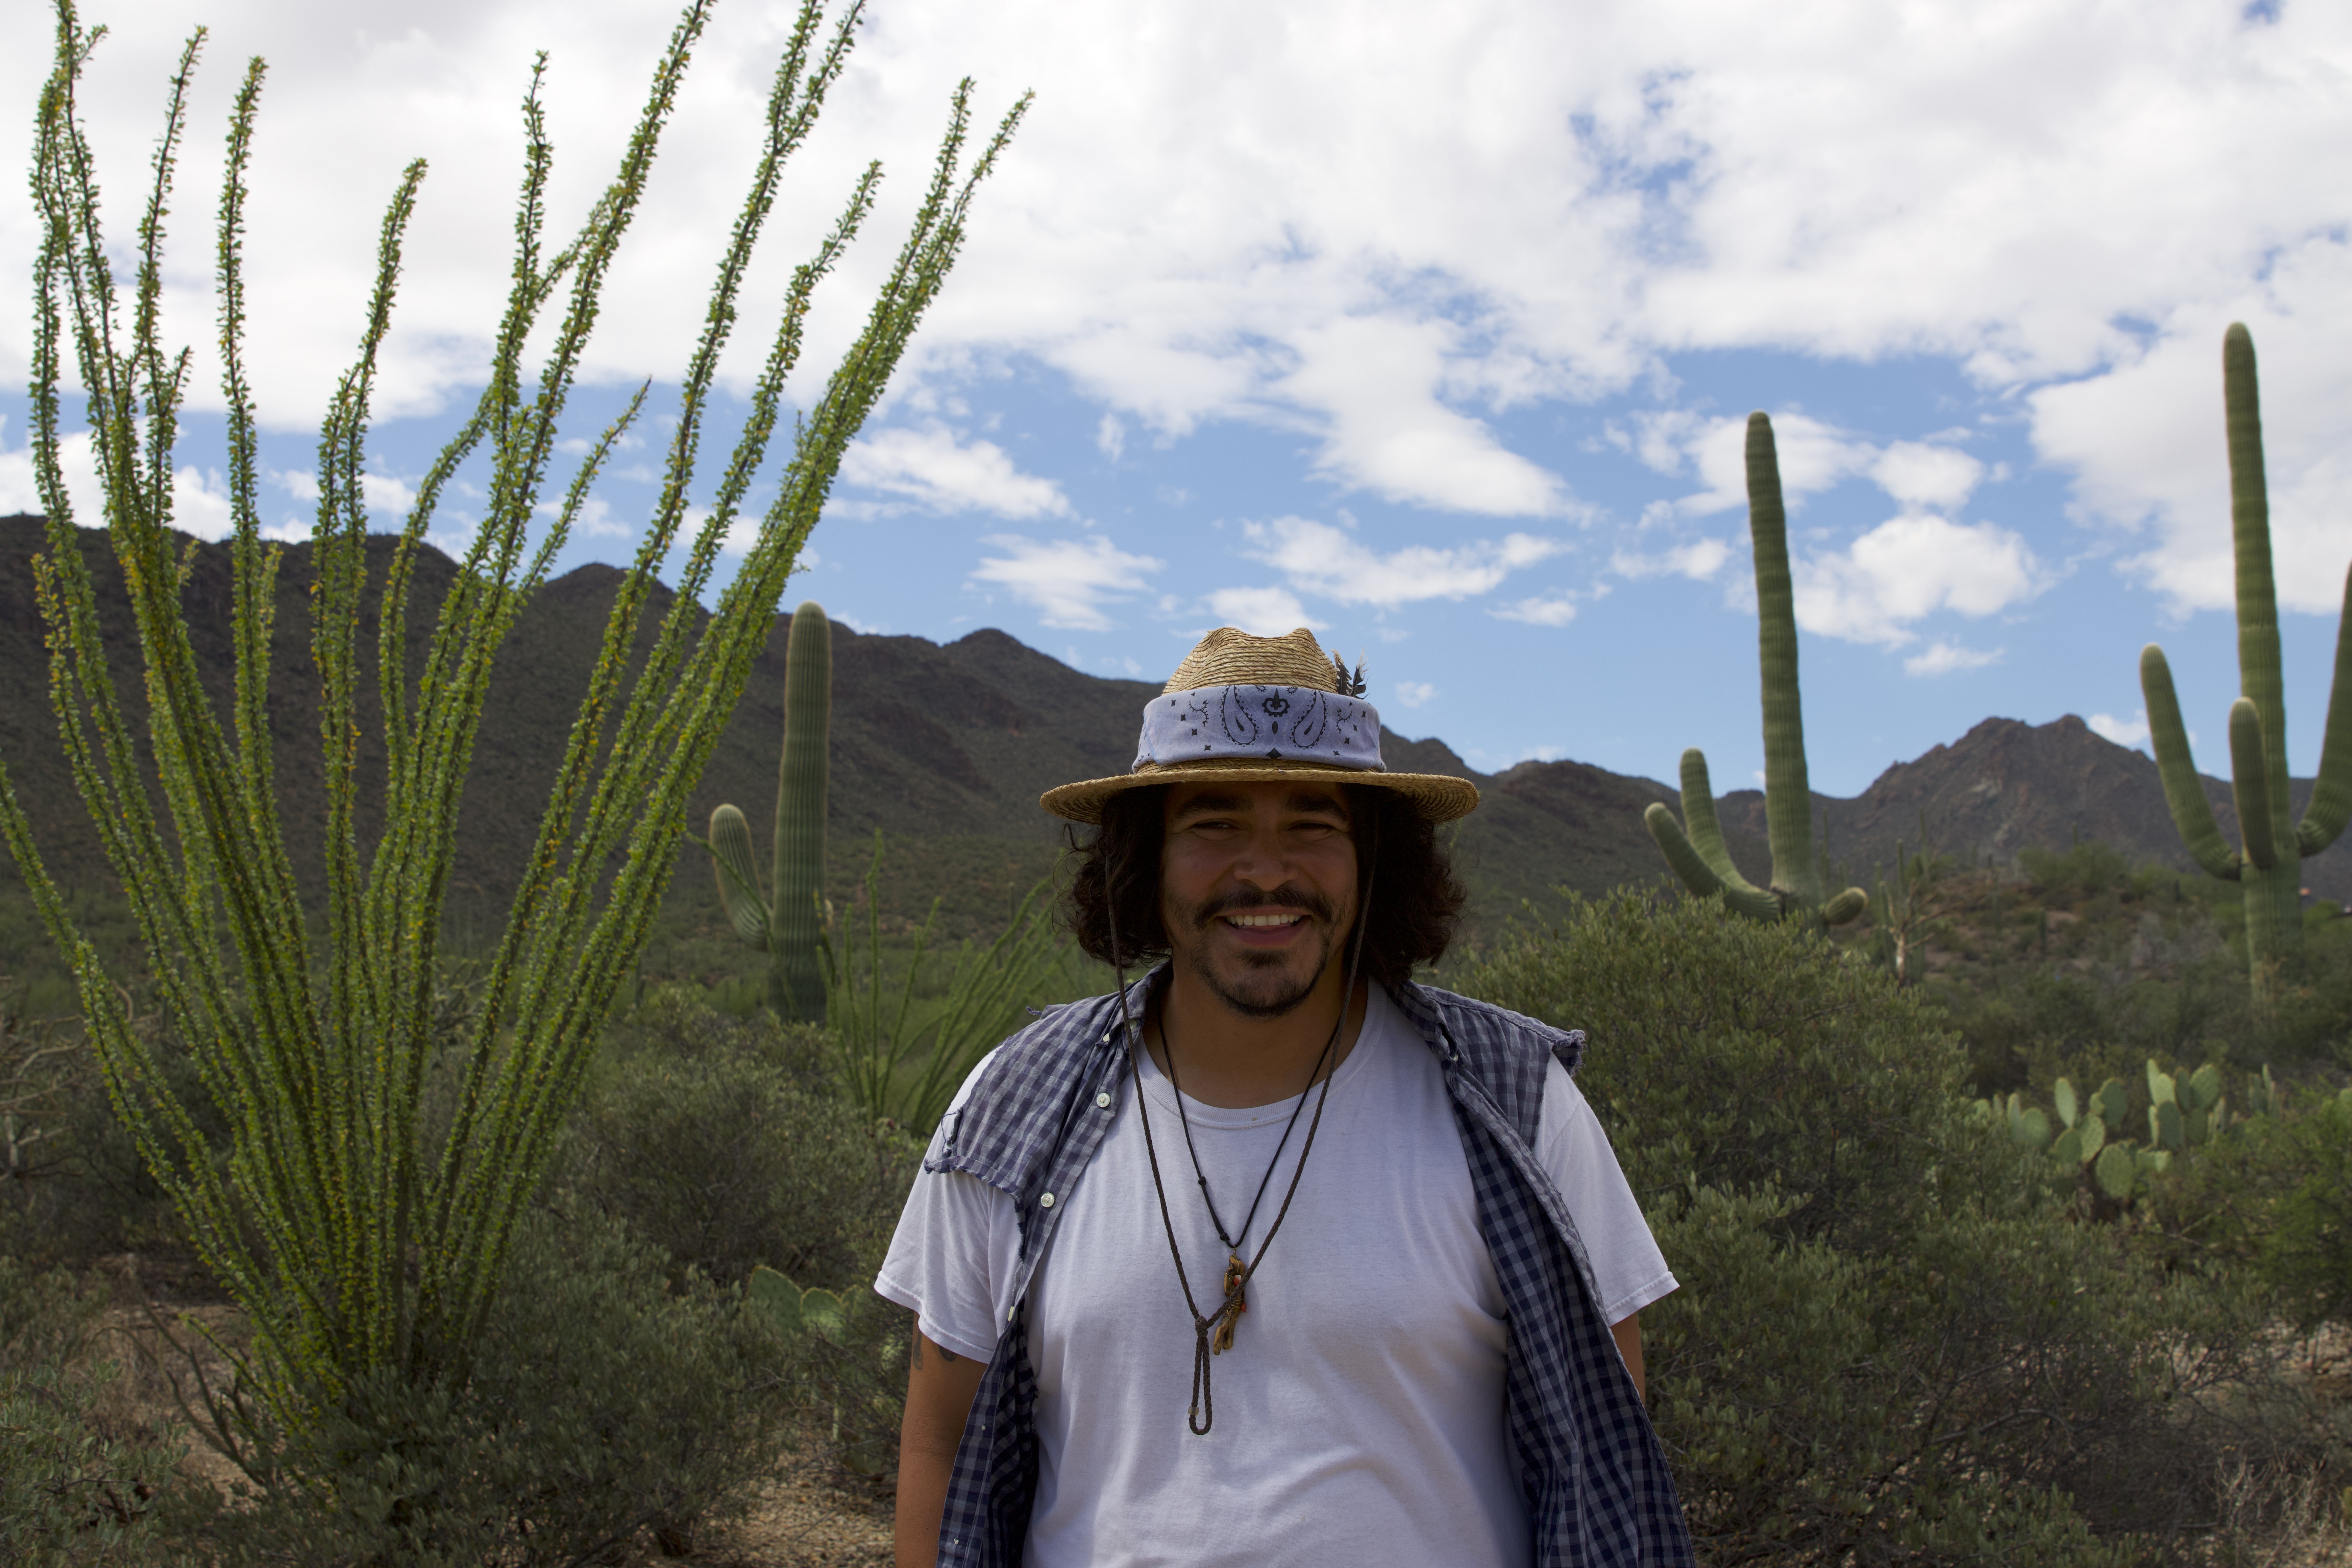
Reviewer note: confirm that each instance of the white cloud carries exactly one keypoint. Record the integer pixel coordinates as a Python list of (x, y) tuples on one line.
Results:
[(1556, 610), (1375, 381), (1908, 568), (1066, 581), (1414, 694), (1942, 656), (1331, 562), (595, 520), (1308, 229), (1698, 560), (1262, 611), (20, 489), (936, 471), (200, 504), (1812, 457), (2131, 732), (385, 494), (1111, 436), (199, 501), (2146, 444), (1916, 475)]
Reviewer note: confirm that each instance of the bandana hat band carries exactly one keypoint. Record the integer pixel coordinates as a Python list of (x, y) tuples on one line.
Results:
[(1249, 723)]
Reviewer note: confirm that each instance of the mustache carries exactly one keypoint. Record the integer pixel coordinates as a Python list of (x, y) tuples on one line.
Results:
[(1285, 897)]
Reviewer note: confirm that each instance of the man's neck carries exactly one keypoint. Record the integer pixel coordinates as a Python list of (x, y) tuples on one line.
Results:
[(1228, 1059)]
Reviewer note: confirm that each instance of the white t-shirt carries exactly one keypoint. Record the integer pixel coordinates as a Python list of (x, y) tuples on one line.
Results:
[(1358, 1416)]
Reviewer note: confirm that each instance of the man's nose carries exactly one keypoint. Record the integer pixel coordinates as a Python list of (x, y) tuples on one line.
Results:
[(1263, 862)]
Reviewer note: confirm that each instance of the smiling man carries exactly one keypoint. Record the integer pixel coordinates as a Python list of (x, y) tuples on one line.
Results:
[(1274, 1255)]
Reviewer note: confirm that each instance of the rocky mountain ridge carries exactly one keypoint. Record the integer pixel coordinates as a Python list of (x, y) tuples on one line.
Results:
[(944, 748)]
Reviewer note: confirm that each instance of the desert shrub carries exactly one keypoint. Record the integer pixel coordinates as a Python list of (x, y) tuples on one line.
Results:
[(2272, 1200), (70, 1183), (77, 1486), (2307, 1255), (602, 1402), (723, 1140), (2086, 870), (1890, 1343)]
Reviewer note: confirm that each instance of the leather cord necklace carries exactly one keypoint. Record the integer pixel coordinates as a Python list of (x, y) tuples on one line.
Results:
[(1201, 1414), (1223, 1341)]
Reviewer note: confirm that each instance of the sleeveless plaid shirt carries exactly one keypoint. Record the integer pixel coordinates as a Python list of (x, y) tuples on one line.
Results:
[(1598, 1490)]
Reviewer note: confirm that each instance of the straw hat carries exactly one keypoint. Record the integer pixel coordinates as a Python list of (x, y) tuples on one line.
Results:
[(1245, 710)]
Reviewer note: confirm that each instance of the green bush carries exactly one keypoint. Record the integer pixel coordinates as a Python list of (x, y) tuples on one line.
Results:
[(1890, 1344), (2086, 870), (2274, 1201), (723, 1140), (602, 1402), (77, 1487), (2307, 1256)]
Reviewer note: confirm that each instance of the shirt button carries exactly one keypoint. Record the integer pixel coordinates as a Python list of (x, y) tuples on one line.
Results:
[(1103, 1099), (1046, 1202)]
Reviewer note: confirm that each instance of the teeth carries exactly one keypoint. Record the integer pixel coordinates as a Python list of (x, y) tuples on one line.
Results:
[(1263, 919)]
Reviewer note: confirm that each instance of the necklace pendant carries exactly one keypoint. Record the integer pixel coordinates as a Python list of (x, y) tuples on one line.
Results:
[(1236, 1305)]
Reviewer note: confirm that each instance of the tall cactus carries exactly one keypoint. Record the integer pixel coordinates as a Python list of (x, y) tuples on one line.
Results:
[(2269, 866), (1700, 858), (789, 929)]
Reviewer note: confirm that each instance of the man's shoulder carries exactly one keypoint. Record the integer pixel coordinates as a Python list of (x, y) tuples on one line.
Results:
[(1482, 1028), (1005, 1116)]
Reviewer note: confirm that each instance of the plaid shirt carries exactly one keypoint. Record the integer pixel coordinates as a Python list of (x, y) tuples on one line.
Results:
[(1598, 1490)]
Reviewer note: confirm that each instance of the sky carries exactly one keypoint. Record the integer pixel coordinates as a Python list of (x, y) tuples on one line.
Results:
[(1432, 329)]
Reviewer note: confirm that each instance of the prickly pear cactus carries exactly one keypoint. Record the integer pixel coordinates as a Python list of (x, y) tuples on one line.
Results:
[(2184, 1112), (795, 1312)]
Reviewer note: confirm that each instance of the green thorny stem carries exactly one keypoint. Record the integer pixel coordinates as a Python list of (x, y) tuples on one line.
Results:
[(2268, 865), (354, 1247), (1701, 859)]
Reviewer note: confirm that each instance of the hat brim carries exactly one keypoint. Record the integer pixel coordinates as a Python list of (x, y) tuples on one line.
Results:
[(1437, 796)]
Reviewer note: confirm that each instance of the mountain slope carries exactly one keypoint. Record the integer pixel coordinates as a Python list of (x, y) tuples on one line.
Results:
[(945, 749)]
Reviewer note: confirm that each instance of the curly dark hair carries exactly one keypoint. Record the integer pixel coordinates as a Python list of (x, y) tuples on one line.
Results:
[(1416, 898)]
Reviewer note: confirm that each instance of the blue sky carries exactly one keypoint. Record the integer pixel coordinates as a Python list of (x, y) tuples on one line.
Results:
[(1435, 334)]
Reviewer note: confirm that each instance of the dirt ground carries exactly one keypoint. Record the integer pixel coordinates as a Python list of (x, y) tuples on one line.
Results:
[(799, 1521), (814, 1518)]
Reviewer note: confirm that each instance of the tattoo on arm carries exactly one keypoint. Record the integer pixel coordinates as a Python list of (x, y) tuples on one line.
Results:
[(948, 1355), (945, 1355)]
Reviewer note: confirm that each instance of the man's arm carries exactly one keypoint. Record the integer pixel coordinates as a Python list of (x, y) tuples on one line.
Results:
[(1628, 1335), (939, 1389)]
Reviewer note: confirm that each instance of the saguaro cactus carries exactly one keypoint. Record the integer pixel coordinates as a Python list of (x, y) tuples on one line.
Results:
[(2268, 865), (789, 929), (1700, 858)]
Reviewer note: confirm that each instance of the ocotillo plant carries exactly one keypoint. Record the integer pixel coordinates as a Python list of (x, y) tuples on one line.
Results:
[(790, 930), (364, 1250), (2268, 865), (1700, 858)]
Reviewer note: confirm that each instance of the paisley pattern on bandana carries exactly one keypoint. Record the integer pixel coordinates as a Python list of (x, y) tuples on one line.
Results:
[(1289, 723)]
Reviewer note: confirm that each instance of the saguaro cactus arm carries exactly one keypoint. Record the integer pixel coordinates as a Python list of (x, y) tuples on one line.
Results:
[(2331, 793), (2192, 814), (739, 882), (1700, 860), (1844, 907), (2250, 780)]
